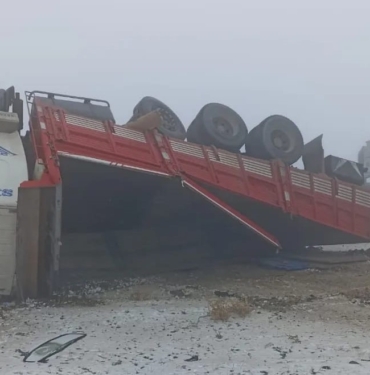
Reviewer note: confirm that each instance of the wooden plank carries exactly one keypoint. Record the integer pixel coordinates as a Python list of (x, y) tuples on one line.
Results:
[(27, 242), (49, 244), (38, 239)]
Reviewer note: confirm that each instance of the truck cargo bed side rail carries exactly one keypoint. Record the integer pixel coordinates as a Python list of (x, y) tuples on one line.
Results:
[(315, 197)]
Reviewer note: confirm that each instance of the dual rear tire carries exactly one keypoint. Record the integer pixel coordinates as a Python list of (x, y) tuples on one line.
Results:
[(276, 137), (171, 124), (218, 125)]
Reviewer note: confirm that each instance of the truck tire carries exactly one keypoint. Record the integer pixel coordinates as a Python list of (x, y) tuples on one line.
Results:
[(193, 134), (276, 137), (220, 126), (172, 125)]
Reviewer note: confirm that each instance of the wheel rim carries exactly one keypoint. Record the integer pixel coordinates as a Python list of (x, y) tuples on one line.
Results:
[(224, 127), (168, 121), (281, 140)]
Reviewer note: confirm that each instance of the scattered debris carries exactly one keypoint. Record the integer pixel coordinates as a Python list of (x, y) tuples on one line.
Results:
[(294, 339), (88, 370), (119, 362), (219, 293), (283, 353), (280, 303), (193, 358), (353, 363), (361, 295), (219, 336), (197, 322)]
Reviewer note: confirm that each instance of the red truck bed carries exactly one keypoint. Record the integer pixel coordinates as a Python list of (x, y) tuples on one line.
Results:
[(284, 205)]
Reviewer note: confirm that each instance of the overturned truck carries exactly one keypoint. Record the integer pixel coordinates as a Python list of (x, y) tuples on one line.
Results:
[(137, 198)]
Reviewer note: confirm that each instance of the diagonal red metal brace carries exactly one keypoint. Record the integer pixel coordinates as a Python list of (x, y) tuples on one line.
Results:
[(250, 224)]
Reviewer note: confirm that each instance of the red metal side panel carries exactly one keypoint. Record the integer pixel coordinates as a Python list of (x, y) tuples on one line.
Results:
[(362, 211), (314, 197), (44, 148), (330, 202), (253, 178), (94, 139)]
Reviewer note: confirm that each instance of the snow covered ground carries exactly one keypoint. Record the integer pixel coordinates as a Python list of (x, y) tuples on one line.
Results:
[(327, 333), (347, 247)]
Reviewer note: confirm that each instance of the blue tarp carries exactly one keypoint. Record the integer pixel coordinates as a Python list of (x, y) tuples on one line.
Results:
[(281, 263)]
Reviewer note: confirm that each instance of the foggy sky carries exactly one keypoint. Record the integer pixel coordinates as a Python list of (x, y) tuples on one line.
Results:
[(307, 60)]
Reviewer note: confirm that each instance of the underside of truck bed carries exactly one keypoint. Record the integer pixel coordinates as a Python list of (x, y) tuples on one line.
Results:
[(115, 219), (143, 223)]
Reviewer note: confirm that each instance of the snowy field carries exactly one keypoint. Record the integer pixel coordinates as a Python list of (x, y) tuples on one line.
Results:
[(301, 323)]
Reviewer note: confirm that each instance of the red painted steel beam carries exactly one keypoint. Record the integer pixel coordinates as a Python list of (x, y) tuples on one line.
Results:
[(268, 237)]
